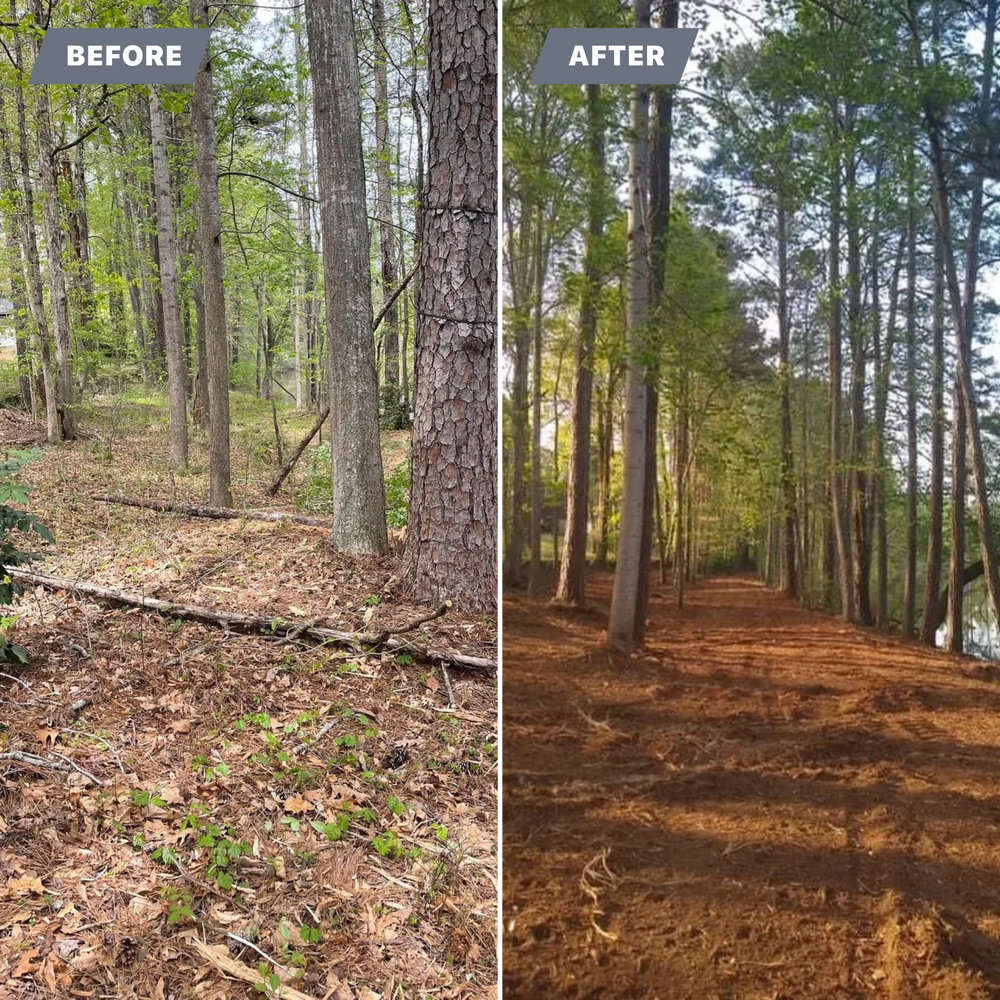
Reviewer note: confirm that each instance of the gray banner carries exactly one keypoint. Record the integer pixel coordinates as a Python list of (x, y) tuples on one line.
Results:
[(120, 55), (614, 55)]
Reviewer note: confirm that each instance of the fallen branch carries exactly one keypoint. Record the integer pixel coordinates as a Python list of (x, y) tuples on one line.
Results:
[(258, 623), (297, 454), (218, 513), (63, 764)]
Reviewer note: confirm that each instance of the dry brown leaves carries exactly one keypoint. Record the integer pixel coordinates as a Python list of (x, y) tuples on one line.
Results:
[(115, 888)]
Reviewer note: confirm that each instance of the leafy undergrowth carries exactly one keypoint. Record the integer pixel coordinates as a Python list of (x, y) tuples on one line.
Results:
[(183, 836)]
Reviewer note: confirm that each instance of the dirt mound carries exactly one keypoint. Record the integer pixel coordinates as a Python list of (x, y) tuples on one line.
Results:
[(18, 428)]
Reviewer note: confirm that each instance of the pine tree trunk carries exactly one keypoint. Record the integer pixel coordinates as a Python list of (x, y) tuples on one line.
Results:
[(176, 370), (514, 554), (451, 541), (789, 578), (963, 316), (570, 589), (605, 446), (358, 488), (659, 224), (392, 415), (628, 561), (858, 479), (210, 233), (535, 521), (838, 494), (910, 567), (54, 243), (935, 526)]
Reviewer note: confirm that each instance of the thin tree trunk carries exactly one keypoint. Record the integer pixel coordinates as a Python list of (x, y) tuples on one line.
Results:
[(935, 526), (910, 566), (176, 369), (392, 415), (858, 491), (54, 261), (210, 233), (570, 588), (628, 561), (659, 224), (789, 578), (535, 523), (838, 496), (355, 452)]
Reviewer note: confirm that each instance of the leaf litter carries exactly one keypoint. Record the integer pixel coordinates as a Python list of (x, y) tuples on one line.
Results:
[(186, 812)]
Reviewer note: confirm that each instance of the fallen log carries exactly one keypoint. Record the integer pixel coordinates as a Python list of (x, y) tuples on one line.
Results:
[(297, 454), (259, 624), (219, 513)]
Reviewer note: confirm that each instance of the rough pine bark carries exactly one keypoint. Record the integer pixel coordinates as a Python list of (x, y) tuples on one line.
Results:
[(358, 488), (210, 234), (451, 543), (176, 369), (570, 589)]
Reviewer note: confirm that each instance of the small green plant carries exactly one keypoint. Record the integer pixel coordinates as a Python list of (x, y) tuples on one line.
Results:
[(440, 831), (370, 601), (141, 798), (310, 935), (388, 845), (179, 904)]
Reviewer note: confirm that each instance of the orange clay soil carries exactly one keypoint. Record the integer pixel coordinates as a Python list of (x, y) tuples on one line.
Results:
[(764, 804)]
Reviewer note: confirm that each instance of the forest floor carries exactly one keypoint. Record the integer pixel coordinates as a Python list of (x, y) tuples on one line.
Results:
[(763, 804), (362, 867)]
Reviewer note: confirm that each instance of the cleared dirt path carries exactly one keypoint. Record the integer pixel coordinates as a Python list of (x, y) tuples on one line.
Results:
[(766, 804)]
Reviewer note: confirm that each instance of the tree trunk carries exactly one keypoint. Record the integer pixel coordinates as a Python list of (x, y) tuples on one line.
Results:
[(535, 522), (210, 233), (605, 447), (789, 578), (910, 569), (355, 452), (963, 312), (659, 224), (176, 370), (393, 417), (930, 621), (858, 491), (570, 588), (451, 540), (628, 562), (514, 554), (838, 495), (54, 261)]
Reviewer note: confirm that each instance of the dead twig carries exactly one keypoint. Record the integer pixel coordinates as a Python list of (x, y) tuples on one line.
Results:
[(323, 730), (447, 685)]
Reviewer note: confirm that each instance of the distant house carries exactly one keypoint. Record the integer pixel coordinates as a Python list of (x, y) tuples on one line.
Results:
[(6, 308)]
